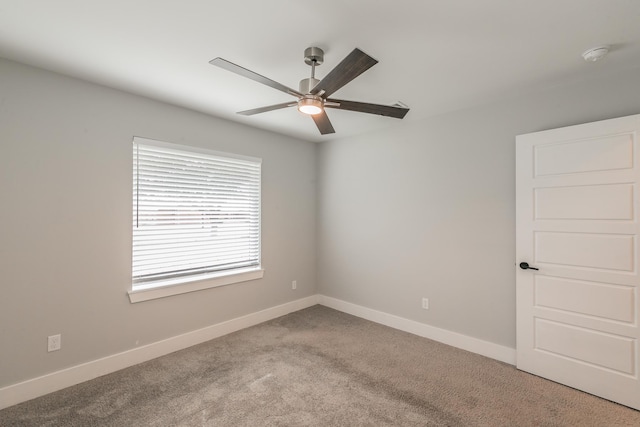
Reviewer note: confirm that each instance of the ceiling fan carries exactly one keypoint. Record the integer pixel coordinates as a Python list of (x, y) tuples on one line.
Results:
[(313, 95)]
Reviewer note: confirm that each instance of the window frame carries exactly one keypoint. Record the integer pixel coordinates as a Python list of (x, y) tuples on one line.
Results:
[(189, 283)]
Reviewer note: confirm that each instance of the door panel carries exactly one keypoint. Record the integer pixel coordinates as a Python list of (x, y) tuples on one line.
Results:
[(615, 202), (603, 300), (577, 221), (585, 155), (605, 251), (586, 346)]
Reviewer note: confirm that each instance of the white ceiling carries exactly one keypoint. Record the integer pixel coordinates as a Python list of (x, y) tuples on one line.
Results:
[(434, 55)]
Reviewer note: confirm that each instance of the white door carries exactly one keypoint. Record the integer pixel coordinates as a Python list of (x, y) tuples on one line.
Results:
[(577, 216)]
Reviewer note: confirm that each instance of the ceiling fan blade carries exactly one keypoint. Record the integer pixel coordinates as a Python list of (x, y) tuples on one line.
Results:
[(267, 108), (230, 66), (356, 63), (323, 123), (363, 107)]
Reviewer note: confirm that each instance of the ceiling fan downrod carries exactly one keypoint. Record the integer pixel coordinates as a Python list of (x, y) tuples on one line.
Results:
[(312, 56)]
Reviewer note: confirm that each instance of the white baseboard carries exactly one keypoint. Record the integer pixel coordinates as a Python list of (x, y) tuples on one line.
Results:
[(484, 348), (30, 389)]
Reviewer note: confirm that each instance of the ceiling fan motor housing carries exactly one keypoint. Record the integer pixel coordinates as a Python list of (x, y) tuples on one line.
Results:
[(307, 84)]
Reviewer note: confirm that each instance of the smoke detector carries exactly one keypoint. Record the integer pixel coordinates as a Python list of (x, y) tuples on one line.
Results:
[(595, 53)]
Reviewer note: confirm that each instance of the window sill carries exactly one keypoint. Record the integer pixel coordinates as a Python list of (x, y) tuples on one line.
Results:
[(173, 287)]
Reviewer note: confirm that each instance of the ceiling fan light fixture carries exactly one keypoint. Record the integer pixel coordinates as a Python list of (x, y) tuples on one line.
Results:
[(310, 105)]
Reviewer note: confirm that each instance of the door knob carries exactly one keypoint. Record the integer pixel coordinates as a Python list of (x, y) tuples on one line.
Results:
[(525, 266)]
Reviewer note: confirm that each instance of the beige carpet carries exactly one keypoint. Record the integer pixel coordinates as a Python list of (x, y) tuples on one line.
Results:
[(319, 367)]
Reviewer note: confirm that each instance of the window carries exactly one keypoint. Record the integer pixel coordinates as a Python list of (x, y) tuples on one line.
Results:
[(196, 216)]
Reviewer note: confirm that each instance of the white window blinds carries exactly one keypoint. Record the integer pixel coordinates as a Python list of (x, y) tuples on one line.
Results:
[(195, 213)]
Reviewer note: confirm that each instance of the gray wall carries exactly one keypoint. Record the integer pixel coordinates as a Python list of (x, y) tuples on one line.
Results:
[(427, 209), (65, 221), (423, 209)]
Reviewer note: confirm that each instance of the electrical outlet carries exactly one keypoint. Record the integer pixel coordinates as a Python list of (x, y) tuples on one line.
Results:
[(54, 342), (294, 285), (425, 303)]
